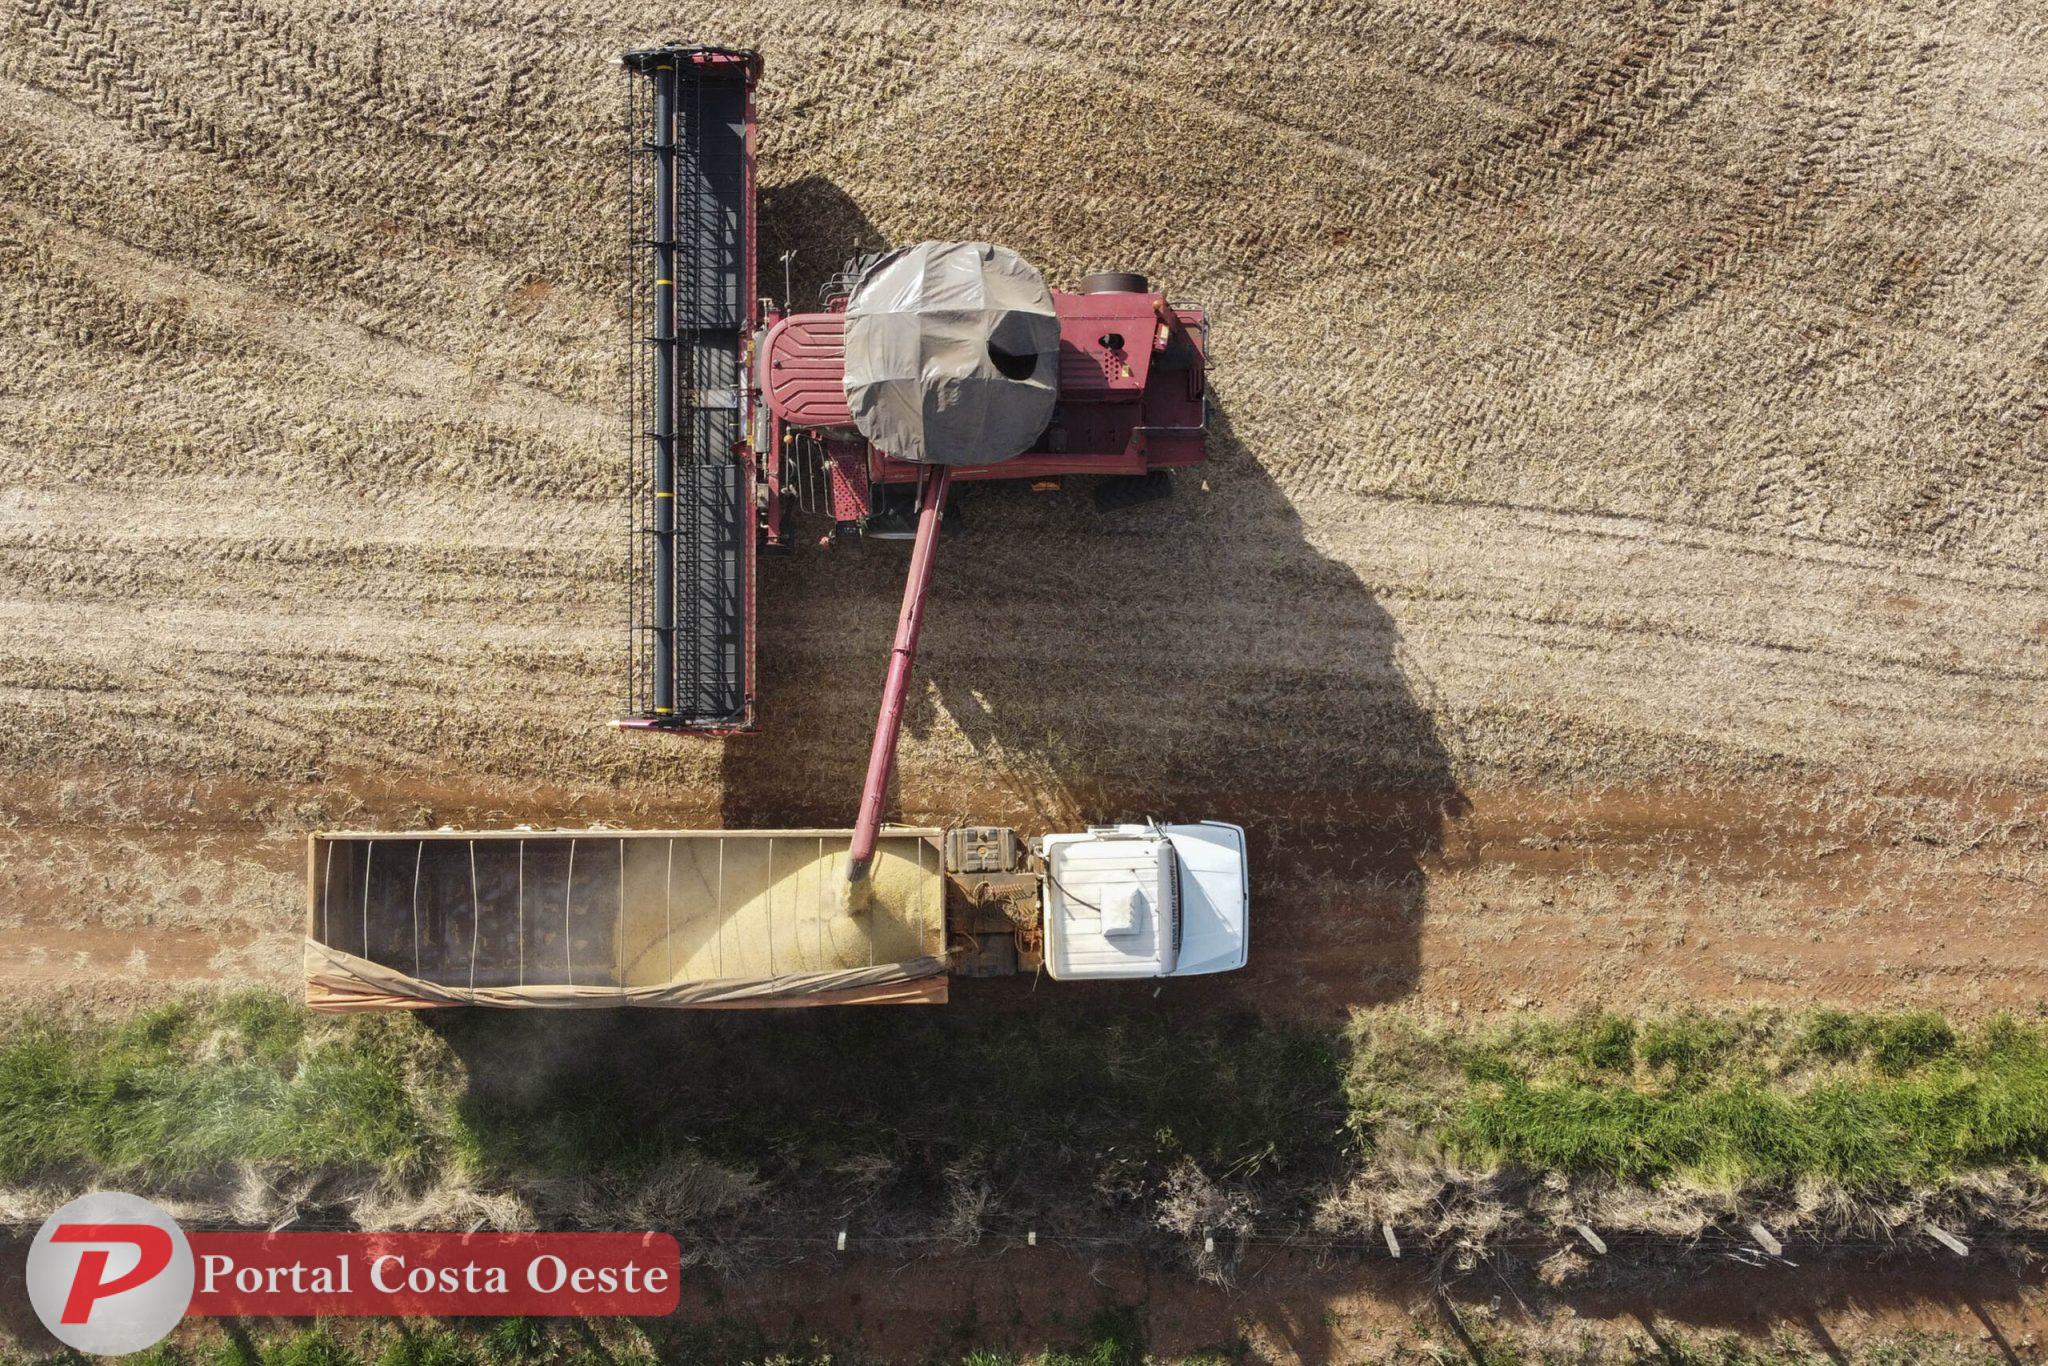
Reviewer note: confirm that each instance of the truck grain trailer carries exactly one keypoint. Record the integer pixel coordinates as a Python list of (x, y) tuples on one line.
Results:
[(931, 366), (737, 919)]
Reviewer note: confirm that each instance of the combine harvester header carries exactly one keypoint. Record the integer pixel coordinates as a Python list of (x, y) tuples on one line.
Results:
[(933, 365)]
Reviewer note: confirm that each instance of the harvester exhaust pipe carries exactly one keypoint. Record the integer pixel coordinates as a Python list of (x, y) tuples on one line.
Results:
[(932, 483)]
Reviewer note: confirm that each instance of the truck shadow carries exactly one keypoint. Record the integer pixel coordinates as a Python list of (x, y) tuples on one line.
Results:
[(753, 1134), (1195, 658)]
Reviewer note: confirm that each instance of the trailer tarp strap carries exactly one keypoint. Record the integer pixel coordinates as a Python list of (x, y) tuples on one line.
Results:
[(339, 981)]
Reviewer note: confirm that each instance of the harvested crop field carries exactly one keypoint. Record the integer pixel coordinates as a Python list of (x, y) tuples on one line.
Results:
[(1618, 577)]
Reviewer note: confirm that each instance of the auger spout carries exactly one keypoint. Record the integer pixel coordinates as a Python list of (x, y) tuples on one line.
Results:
[(932, 483)]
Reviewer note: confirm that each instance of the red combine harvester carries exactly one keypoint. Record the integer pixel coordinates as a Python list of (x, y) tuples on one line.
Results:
[(750, 414), (932, 365)]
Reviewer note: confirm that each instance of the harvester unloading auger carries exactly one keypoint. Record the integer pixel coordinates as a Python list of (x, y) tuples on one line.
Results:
[(930, 365)]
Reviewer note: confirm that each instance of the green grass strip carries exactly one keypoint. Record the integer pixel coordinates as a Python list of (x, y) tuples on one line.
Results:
[(188, 1089), (1038, 1104), (1869, 1102)]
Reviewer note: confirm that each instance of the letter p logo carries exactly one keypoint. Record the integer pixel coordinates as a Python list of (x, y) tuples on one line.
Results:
[(90, 1284), (110, 1273)]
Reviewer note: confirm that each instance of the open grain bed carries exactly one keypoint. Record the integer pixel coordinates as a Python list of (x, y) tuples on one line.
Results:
[(1618, 576)]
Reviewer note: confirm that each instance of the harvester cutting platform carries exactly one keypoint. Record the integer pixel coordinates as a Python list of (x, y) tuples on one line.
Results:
[(933, 365)]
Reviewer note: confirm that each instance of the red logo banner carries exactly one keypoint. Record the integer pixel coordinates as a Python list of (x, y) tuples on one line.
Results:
[(441, 1274)]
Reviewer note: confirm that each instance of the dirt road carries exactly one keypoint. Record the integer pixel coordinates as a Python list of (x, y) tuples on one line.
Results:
[(1619, 576), (1289, 1305)]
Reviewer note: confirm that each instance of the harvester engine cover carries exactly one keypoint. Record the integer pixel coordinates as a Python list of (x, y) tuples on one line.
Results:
[(952, 353)]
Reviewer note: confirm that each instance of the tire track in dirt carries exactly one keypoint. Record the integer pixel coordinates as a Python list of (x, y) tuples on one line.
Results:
[(1846, 146), (273, 121), (170, 296), (1841, 154), (1664, 72), (1792, 485), (267, 248), (94, 61), (1665, 66)]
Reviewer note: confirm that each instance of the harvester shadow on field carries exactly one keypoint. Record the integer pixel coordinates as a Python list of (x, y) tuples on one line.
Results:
[(821, 228), (1195, 658)]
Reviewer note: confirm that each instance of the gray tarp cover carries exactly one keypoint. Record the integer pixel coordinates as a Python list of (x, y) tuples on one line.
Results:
[(930, 332)]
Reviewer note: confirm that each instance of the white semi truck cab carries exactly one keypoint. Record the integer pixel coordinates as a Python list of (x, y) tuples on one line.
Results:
[(1149, 900)]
